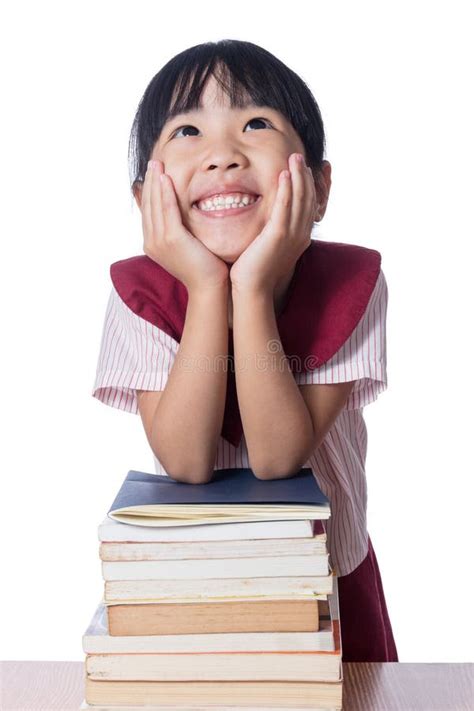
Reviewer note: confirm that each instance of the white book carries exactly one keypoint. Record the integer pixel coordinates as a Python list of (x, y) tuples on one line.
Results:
[(267, 567), (172, 550), (112, 530), (96, 639), (85, 707), (219, 666), (136, 591)]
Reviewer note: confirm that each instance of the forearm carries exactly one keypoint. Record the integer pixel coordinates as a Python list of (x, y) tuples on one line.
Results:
[(188, 419), (275, 419)]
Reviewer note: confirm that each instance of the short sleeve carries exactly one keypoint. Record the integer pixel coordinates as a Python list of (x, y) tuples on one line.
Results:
[(363, 357), (134, 355)]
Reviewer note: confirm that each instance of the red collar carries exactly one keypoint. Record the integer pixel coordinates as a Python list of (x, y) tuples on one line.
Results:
[(328, 294)]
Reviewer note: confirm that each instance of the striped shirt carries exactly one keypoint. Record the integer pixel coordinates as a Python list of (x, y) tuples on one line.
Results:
[(136, 355)]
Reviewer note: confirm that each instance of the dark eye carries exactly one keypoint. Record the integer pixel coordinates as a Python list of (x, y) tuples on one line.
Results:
[(182, 128), (262, 120)]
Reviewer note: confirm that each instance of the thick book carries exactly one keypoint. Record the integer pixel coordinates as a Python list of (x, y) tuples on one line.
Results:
[(111, 530), (233, 495), (143, 591), (187, 707), (266, 567), (192, 694), (97, 639), (214, 617), (173, 550)]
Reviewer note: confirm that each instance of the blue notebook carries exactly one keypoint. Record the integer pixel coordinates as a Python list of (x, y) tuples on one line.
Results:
[(233, 495)]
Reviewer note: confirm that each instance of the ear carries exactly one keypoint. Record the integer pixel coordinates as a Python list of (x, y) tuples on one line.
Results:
[(322, 182)]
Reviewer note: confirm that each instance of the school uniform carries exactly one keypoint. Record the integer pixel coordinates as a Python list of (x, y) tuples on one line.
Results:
[(333, 329)]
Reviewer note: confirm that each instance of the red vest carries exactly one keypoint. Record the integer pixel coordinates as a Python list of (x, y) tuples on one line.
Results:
[(328, 295)]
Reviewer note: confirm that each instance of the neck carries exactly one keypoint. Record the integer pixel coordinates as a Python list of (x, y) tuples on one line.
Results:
[(279, 298)]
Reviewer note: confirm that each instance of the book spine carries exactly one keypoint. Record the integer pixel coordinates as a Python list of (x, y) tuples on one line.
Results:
[(215, 549), (202, 693), (111, 530), (151, 590), (232, 666), (306, 565), (216, 617)]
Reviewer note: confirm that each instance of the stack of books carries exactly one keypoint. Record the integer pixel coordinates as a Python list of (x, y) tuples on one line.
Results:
[(217, 596)]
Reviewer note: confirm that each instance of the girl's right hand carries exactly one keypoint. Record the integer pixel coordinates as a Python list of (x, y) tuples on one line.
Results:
[(169, 243)]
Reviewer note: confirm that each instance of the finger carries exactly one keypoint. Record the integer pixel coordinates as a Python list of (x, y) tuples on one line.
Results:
[(309, 204), (299, 179), (315, 200), (171, 213), (280, 217), (145, 204), (156, 206)]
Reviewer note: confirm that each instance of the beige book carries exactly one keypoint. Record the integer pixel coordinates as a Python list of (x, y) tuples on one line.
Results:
[(262, 694), (214, 617), (85, 707), (143, 591), (122, 551), (267, 567)]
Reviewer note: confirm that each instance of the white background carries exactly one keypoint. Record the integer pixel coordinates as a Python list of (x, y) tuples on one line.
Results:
[(394, 82)]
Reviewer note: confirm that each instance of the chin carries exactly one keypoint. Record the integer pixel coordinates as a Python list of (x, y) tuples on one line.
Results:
[(226, 248)]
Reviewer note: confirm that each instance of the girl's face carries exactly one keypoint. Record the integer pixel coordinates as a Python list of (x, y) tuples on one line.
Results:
[(218, 149)]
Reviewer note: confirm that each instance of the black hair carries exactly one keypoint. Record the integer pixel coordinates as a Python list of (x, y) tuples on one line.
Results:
[(244, 71)]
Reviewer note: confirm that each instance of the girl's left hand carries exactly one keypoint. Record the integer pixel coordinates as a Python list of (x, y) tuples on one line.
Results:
[(274, 252)]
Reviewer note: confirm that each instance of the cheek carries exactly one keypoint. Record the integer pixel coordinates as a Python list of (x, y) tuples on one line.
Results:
[(170, 167), (269, 199), (180, 192)]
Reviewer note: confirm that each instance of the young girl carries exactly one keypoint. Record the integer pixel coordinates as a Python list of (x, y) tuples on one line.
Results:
[(228, 171)]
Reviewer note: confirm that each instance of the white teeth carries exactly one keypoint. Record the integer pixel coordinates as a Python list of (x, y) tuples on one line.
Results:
[(226, 202)]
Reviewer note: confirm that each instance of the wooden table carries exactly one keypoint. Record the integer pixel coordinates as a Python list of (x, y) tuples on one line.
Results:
[(53, 686)]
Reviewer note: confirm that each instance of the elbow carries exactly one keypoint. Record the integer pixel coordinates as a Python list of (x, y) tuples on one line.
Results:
[(271, 472), (283, 469), (190, 475), (187, 474), (194, 477)]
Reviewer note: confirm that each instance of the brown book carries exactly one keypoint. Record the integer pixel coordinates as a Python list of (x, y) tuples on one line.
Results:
[(214, 617), (194, 694)]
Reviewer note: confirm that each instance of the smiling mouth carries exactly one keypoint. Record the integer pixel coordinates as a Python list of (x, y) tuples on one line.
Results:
[(228, 211)]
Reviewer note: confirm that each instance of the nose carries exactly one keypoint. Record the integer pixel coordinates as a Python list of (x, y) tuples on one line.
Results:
[(223, 157)]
